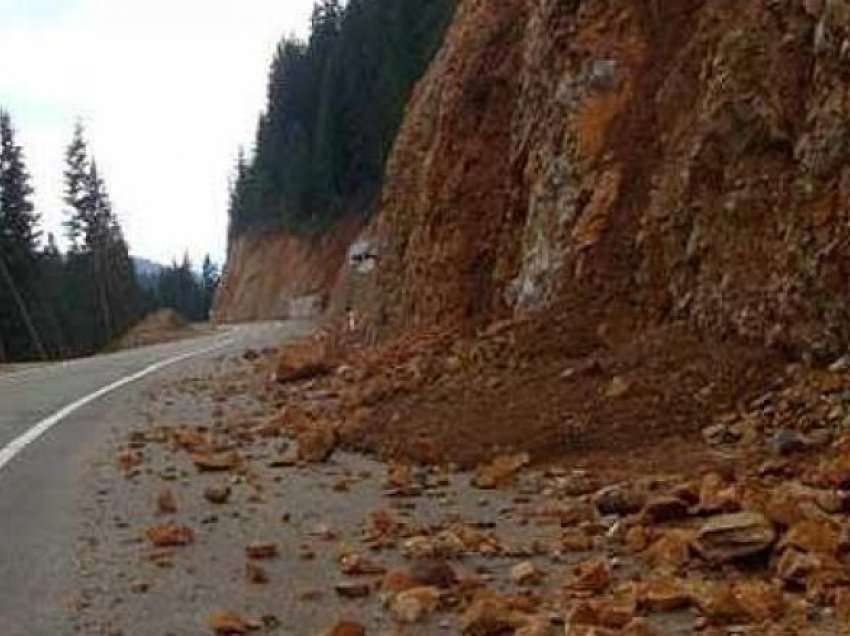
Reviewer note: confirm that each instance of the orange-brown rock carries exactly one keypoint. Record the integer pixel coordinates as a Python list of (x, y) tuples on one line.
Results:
[(317, 443), (664, 509), (302, 362), (216, 462), (663, 595), (593, 575), (166, 502), (398, 581), (414, 604), (742, 601), (499, 470), (170, 535), (255, 574), (225, 623), (819, 537), (732, 536), (346, 628), (490, 615), (261, 550), (671, 550)]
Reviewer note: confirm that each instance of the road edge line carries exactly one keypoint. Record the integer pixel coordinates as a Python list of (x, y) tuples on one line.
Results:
[(13, 448)]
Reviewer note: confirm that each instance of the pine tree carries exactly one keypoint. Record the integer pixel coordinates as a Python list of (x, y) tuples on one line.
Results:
[(76, 179), (19, 234), (209, 282), (19, 237), (335, 104)]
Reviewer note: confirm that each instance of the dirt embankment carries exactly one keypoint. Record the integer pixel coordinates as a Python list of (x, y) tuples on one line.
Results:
[(278, 275), (163, 325)]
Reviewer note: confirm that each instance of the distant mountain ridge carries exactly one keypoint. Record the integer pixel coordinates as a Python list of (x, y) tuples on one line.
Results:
[(147, 271)]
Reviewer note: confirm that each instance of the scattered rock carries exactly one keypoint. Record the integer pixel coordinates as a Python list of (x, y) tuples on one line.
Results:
[(489, 615), (316, 444), (618, 388), (841, 364), (619, 500), (663, 595), (591, 576), (526, 573), (433, 572), (785, 442), (170, 535), (166, 503), (230, 623), (729, 537), (255, 574), (356, 565), (500, 470), (217, 494), (671, 550), (414, 604), (664, 509), (346, 628), (353, 589), (216, 462), (302, 361), (261, 550)]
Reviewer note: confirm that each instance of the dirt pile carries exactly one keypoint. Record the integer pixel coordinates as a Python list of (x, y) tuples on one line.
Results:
[(539, 386), (162, 325)]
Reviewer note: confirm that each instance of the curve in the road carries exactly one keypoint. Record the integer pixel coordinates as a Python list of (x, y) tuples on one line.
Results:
[(8, 452)]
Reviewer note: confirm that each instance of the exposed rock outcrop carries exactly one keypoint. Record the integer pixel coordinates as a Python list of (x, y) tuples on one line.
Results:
[(689, 158)]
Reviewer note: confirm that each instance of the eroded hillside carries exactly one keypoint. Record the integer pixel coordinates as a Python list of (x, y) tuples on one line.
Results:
[(687, 159)]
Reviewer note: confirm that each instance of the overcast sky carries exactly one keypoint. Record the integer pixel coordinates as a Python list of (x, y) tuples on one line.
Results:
[(168, 90)]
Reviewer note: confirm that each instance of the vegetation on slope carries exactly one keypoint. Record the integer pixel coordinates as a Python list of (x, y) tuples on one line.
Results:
[(335, 104)]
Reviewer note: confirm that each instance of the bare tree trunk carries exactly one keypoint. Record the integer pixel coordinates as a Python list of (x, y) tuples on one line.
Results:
[(2, 351), (4, 271), (100, 281)]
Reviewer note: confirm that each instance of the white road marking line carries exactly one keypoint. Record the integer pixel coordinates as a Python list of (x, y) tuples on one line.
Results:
[(21, 442)]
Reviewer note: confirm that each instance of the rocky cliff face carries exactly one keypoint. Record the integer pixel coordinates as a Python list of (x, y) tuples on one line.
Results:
[(687, 158)]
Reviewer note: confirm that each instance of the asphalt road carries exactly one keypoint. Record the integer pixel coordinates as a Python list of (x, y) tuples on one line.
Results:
[(40, 476)]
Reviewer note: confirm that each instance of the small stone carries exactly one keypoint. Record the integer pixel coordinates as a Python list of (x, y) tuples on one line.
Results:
[(842, 364), (229, 623), (261, 550), (216, 462), (619, 500), (317, 444), (353, 589), (416, 603), (255, 574), (166, 504), (488, 616), (663, 595), (618, 388), (217, 494), (591, 576), (526, 573), (785, 442), (170, 535), (433, 572), (672, 550), (346, 628), (664, 509), (500, 470), (140, 587)]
